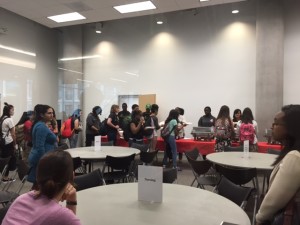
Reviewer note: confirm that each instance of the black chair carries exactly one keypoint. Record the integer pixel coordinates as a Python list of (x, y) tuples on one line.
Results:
[(273, 151), (78, 166), (118, 168), (109, 143), (7, 195), (89, 180), (141, 147), (234, 149), (147, 157), (241, 176), (238, 194), (169, 175), (62, 147), (200, 170), (193, 154), (3, 168), (3, 212)]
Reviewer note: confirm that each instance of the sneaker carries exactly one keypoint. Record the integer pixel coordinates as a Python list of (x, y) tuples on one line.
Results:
[(178, 168), (6, 180)]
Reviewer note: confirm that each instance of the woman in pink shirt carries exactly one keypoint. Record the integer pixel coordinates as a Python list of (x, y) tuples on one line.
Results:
[(54, 180)]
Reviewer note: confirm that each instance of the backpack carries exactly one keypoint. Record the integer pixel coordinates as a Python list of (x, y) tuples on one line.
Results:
[(220, 132), (148, 123), (66, 130), (247, 132), (166, 131), (2, 138), (127, 132), (103, 127), (19, 133)]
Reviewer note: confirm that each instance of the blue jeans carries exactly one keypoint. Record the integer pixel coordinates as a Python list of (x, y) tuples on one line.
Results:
[(172, 143)]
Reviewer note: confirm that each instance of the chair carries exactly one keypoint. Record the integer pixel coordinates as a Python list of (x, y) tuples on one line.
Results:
[(109, 143), (169, 175), (273, 151), (62, 147), (200, 170), (89, 180), (238, 194), (147, 157), (3, 212), (3, 167), (240, 177), (7, 195), (193, 154), (118, 168), (78, 166), (141, 147), (234, 149)]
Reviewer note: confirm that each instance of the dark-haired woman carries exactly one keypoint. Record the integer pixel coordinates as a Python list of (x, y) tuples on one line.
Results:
[(136, 128), (43, 139), (223, 129), (54, 182), (237, 116), (8, 133), (92, 125), (285, 178), (172, 123), (248, 118), (113, 124)]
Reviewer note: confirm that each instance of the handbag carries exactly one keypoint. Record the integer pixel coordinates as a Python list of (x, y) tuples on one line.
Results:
[(290, 215), (165, 132)]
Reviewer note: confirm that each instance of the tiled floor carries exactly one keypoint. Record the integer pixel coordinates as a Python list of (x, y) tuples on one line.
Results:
[(185, 177)]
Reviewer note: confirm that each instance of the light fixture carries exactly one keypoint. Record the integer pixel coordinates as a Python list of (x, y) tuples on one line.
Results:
[(67, 17), (135, 7), (204, 0), (159, 22), (235, 11), (99, 27), (80, 57), (17, 50)]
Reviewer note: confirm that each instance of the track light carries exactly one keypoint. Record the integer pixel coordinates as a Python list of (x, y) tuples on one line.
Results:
[(99, 27)]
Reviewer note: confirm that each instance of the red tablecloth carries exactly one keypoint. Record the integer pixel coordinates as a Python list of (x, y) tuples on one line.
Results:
[(204, 147), (263, 147)]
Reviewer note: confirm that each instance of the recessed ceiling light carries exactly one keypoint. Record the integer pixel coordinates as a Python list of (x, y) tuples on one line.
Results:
[(67, 17), (135, 7), (159, 22), (235, 11), (98, 31), (204, 0)]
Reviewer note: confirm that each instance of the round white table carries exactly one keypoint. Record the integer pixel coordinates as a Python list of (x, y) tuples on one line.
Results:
[(182, 205), (260, 161), (91, 154)]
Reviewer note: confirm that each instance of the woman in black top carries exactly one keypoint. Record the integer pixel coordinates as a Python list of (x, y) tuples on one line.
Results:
[(113, 124), (137, 128)]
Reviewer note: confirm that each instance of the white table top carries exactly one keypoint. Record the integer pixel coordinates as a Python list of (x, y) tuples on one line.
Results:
[(90, 153), (182, 205), (261, 161)]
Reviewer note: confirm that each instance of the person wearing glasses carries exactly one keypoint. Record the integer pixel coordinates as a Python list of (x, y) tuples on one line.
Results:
[(43, 139), (285, 177)]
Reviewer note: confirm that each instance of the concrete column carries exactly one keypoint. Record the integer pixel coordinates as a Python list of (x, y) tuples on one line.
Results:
[(269, 62)]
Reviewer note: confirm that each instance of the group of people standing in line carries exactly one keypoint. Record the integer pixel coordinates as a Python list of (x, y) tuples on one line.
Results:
[(52, 171)]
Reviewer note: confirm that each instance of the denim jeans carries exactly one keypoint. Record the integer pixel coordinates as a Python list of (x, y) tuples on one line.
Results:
[(171, 141), (73, 141)]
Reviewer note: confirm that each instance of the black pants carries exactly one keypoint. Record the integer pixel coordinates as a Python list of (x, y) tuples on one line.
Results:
[(89, 138), (9, 150)]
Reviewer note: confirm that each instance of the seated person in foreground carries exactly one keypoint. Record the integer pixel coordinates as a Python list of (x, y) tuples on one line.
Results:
[(54, 180), (285, 177), (207, 120)]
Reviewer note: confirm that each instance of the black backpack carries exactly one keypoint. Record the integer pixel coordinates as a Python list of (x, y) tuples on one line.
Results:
[(148, 122), (103, 127), (127, 132), (2, 138)]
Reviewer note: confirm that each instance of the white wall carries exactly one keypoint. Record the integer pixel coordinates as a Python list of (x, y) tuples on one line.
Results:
[(291, 89), (190, 61), (24, 87)]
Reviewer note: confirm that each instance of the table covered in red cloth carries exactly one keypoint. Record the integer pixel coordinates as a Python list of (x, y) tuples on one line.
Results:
[(204, 147)]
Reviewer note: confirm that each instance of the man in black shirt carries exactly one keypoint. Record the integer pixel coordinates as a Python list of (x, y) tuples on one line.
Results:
[(207, 120)]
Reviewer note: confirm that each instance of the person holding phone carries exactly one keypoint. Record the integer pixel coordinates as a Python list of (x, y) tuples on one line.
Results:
[(54, 184)]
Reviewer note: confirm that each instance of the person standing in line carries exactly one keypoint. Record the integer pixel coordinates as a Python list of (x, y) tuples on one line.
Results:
[(124, 117), (207, 120), (154, 123), (27, 136), (76, 118), (224, 130), (113, 124), (8, 133), (43, 139), (92, 125), (172, 123), (285, 177), (182, 122)]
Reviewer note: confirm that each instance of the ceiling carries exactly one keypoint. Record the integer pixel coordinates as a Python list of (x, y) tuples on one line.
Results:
[(94, 10)]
